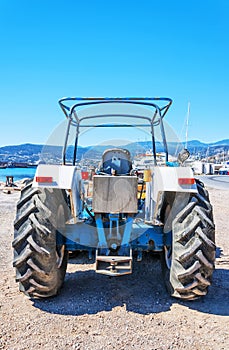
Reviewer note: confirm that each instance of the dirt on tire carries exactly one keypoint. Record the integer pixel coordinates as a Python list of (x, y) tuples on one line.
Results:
[(130, 312), (40, 268), (193, 247)]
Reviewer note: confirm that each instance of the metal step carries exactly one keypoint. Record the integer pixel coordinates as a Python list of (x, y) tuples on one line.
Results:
[(113, 265)]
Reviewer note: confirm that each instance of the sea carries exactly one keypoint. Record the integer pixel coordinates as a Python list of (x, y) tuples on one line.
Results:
[(17, 173)]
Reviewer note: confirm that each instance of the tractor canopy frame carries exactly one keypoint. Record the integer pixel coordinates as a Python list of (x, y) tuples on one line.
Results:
[(71, 106)]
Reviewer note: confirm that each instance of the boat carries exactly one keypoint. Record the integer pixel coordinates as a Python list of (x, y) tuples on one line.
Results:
[(224, 170), (146, 160)]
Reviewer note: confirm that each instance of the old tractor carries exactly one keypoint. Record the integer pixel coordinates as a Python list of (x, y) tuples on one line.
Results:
[(120, 212)]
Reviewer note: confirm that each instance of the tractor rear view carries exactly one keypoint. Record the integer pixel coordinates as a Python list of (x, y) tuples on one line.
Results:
[(120, 212)]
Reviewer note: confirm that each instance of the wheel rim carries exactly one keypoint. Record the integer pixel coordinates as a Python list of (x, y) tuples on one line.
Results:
[(168, 256), (167, 228), (60, 227)]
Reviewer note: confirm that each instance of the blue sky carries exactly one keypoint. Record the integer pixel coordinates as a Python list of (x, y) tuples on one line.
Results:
[(51, 49)]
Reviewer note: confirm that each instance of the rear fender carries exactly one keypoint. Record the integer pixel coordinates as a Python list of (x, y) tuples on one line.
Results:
[(167, 183), (65, 177)]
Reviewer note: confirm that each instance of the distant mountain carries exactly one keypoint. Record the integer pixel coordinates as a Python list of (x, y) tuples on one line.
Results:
[(196, 143), (220, 143), (32, 153), (24, 148)]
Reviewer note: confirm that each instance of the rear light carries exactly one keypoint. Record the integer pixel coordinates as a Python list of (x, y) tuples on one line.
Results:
[(186, 181), (43, 179), (85, 175)]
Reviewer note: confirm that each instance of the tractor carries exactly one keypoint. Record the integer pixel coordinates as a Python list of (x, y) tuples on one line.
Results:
[(118, 212)]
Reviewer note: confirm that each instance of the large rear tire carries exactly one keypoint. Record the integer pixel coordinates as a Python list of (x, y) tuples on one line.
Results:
[(188, 265), (40, 264)]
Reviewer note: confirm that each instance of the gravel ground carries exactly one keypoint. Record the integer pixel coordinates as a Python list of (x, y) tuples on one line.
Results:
[(131, 312)]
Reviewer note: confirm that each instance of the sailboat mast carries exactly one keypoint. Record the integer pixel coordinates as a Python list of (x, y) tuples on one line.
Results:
[(187, 121)]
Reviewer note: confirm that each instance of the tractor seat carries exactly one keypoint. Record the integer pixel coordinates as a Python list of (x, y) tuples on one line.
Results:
[(116, 160)]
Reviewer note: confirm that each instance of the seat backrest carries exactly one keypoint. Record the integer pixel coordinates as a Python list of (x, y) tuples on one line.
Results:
[(117, 159)]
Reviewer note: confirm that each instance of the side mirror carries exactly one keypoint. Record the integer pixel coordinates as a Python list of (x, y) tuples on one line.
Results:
[(183, 156)]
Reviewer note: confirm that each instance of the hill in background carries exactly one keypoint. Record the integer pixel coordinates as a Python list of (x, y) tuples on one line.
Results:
[(32, 153)]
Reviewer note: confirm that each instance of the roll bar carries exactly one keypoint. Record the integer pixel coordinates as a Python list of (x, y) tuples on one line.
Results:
[(70, 106)]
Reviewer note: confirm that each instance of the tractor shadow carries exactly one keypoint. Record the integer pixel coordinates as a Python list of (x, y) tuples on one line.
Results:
[(142, 292), (86, 292)]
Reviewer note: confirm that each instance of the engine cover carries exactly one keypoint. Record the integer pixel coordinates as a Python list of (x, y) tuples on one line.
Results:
[(115, 194)]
